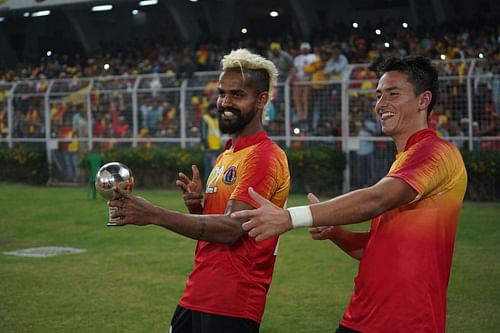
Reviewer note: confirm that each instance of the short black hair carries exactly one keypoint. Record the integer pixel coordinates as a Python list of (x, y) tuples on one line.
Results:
[(258, 78), (421, 74)]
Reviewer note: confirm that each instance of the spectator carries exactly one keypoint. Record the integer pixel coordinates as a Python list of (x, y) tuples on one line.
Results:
[(99, 127), (365, 153), (320, 88), (281, 59), (486, 120), (33, 122), (69, 148), (284, 63), (155, 116), (337, 66), (81, 125), (146, 110), (210, 138), (301, 83), (121, 128)]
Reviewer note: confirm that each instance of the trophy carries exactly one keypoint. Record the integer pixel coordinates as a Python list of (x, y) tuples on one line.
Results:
[(110, 175)]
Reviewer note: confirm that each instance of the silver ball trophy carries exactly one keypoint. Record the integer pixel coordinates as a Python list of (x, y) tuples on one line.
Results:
[(110, 175)]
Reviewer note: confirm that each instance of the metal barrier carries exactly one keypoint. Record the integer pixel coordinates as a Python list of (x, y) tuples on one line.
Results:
[(71, 116)]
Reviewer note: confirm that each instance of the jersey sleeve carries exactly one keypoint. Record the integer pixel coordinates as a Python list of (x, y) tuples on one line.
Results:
[(428, 167)]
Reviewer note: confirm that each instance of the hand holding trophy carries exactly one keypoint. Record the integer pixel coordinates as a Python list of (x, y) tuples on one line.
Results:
[(110, 175)]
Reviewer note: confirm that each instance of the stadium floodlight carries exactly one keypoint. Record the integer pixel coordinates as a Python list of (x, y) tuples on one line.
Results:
[(193, 0), (26, 14), (148, 2), (2, 18), (404, 25), (135, 12), (41, 13), (481, 55), (378, 32), (387, 44), (355, 25), (274, 13), (106, 67), (442, 56), (244, 30), (49, 53), (102, 8)]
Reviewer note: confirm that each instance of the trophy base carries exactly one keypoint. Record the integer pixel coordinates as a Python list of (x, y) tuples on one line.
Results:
[(112, 221)]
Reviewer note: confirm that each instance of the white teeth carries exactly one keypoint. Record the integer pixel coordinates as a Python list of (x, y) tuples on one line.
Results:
[(228, 113), (385, 115)]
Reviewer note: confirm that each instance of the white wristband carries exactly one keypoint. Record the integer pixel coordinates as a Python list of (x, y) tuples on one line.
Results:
[(301, 216)]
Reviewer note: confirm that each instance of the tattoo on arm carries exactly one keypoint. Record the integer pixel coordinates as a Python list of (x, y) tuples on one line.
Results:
[(203, 227)]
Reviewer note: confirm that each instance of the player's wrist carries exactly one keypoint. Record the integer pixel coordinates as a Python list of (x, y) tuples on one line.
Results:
[(195, 208), (300, 216)]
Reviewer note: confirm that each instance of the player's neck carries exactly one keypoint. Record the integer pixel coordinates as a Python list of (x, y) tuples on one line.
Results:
[(247, 131), (401, 139)]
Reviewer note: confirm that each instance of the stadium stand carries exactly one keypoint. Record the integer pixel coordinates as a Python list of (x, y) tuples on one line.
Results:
[(153, 91)]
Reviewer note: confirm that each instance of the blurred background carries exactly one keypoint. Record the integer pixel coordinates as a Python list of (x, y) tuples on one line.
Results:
[(80, 76)]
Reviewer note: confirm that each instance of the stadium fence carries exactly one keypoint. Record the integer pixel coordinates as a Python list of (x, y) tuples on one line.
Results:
[(71, 116)]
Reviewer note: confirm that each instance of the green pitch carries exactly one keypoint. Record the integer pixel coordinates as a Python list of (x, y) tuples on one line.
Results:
[(129, 279)]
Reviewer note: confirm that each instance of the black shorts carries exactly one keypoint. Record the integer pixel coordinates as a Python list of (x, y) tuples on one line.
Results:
[(189, 321), (343, 329)]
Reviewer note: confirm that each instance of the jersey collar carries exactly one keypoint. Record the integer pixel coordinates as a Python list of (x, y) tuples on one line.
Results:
[(246, 141), (419, 135)]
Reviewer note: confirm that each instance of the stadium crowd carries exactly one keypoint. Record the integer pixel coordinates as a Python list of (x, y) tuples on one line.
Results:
[(325, 56), (455, 40), (315, 105)]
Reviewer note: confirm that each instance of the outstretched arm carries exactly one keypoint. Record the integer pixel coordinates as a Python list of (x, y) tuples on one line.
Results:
[(353, 207), (220, 228)]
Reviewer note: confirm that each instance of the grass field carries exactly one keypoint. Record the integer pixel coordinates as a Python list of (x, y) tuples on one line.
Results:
[(129, 279)]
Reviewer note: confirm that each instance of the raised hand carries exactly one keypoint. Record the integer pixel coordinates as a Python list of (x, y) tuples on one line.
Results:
[(266, 221), (191, 190)]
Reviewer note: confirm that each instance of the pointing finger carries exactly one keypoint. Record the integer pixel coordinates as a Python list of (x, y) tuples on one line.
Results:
[(196, 173)]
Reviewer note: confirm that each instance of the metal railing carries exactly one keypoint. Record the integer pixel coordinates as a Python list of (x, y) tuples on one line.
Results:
[(159, 109)]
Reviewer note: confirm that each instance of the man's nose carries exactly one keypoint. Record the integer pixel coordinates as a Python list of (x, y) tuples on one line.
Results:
[(225, 101)]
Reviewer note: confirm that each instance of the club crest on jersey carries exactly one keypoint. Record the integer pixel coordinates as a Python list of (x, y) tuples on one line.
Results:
[(229, 176)]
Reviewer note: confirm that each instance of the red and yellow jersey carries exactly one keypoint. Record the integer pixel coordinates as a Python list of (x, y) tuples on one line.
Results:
[(234, 280), (404, 272)]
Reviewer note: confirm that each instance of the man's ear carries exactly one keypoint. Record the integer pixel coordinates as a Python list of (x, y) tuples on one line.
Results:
[(262, 99), (424, 100)]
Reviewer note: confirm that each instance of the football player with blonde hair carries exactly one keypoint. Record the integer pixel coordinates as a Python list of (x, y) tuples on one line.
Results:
[(226, 291)]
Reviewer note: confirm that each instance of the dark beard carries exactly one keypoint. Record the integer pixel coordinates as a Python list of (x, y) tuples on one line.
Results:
[(236, 125)]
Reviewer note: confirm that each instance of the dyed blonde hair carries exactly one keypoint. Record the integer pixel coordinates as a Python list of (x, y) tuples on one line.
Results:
[(246, 60)]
